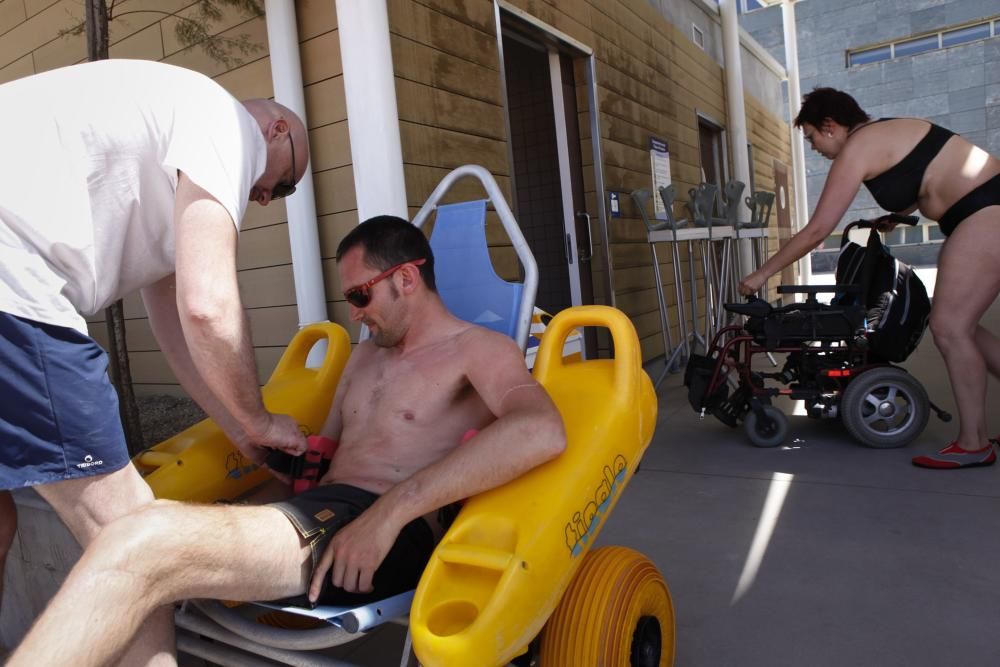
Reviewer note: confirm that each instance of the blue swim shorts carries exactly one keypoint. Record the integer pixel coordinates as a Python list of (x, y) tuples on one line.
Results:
[(58, 410)]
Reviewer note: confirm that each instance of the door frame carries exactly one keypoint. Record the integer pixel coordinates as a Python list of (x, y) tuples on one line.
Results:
[(559, 42)]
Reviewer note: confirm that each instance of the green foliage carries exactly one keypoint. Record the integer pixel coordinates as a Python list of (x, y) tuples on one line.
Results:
[(196, 29)]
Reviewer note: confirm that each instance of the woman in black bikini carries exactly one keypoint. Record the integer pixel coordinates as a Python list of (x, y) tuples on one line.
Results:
[(909, 163)]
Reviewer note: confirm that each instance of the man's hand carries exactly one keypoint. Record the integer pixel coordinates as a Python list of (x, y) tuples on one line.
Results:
[(751, 284), (355, 552), (281, 432)]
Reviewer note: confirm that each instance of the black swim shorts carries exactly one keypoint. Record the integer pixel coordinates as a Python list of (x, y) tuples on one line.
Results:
[(320, 512)]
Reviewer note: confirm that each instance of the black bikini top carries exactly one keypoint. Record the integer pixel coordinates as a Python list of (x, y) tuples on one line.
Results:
[(897, 188)]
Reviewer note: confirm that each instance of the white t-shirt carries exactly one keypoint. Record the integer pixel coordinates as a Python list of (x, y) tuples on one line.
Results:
[(88, 171)]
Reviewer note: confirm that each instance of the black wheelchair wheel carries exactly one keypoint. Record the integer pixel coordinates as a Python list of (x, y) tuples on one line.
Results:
[(884, 407), (769, 431)]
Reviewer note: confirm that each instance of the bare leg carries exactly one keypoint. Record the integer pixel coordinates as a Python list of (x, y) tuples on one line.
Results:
[(163, 553), (968, 282), (989, 347), (88, 504)]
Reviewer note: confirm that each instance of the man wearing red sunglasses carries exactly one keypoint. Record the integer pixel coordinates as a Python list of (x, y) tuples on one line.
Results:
[(407, 398), (124, 176)]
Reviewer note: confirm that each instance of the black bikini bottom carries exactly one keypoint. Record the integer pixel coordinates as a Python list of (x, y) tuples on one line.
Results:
[(987, 194)]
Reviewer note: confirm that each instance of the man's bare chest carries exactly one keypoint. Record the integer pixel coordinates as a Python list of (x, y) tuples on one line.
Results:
[(415, 391)]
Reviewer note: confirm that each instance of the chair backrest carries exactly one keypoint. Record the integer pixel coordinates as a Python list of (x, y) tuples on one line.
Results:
[(464, 272), (466, 280), (760, 203)]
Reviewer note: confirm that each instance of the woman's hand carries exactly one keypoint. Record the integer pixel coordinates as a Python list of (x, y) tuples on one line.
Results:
[(751, 284), (884, 223)]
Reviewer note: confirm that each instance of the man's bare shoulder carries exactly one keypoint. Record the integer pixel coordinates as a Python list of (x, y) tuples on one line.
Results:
[(477, 340)]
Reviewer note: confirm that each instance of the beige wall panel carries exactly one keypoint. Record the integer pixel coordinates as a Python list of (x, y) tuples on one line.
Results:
[(143, 45), (273, 327), (60, 52), (315, 17), (335, 191), (138, 335), (423, 64), (632, 30), (321, 57), (158, 389), (416, 22), (422, 104), (505, 263), (325, 102), (264, 246), (11, 14), (647, 325), (269, 286), (331, 146), (448, 149), (150, 368), (421, 181), (231, 23), (267, 361), (41, 29), (637, 254), (249, 80), (19, 68), (651, 346), (134, 16), (333, 228), (331, 280), (572, 17), (269, 327), (132, 305), (618, 84), (641, 301), (32, 7), (475, 13), (634, 277), (340, 313), (195, 58), (100, 334), (261, 216)]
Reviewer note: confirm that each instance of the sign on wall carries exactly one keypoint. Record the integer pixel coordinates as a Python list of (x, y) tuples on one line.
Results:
[(659, 162)]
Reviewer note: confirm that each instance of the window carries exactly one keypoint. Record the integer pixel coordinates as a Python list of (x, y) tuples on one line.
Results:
[(698, 37), (750, 5), (963, 35), (870, 56), (913, 45)]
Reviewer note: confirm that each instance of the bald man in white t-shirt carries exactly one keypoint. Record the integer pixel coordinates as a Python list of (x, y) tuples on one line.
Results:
[(117, 176)]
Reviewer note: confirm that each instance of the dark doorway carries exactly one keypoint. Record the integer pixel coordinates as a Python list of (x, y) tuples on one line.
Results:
[(536, 168)]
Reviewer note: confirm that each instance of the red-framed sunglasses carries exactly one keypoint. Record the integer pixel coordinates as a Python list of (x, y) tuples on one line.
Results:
[(359, 296)]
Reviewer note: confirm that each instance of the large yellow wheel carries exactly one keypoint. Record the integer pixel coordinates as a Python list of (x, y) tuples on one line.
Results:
[(615, 613)]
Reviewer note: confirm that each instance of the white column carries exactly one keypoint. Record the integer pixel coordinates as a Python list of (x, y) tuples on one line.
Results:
[(307, 265), (798, 150), (736, 106), (372, 117)]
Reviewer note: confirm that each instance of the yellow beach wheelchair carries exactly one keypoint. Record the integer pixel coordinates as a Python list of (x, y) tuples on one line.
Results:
[(514, 578)]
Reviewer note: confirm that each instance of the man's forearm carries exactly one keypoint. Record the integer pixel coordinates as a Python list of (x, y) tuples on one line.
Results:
[(502, 452), (191, 381), (220, 348)]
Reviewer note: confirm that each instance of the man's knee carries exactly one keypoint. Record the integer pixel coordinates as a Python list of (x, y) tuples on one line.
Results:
[(137, 542)]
